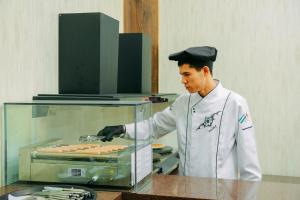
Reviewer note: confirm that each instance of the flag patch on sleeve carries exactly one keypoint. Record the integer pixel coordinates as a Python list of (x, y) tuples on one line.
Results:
[(244, 118), (245, 121)]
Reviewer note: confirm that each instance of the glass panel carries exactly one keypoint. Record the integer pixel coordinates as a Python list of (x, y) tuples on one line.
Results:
[(143, 151), (165, 148), (42, 143)]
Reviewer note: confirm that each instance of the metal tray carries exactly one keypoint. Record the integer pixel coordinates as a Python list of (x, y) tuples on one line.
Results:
[(34, 189)]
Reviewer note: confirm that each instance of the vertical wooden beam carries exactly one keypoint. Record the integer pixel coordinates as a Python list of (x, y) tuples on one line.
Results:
[(142, 16)]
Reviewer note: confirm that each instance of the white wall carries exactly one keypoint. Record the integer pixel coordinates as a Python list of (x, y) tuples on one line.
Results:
[(259, 57), (29, 43)]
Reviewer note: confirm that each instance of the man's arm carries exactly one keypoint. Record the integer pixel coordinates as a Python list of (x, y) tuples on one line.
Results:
[(246, 146), (161, 123)]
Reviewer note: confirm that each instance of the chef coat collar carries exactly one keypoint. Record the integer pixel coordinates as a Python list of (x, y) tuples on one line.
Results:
[(196, 97)]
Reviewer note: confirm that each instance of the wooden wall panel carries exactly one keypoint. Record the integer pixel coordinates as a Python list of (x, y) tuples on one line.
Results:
[(142, 16)]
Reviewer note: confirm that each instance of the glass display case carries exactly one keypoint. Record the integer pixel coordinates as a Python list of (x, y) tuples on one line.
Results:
[(41, 143)]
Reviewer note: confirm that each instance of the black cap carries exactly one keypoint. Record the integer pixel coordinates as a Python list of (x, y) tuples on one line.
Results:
[(197, 56)]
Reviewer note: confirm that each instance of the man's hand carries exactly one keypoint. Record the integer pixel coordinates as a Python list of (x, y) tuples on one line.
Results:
[(109, 132)]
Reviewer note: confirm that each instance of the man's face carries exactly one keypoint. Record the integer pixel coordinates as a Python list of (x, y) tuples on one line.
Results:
[(192, 79)]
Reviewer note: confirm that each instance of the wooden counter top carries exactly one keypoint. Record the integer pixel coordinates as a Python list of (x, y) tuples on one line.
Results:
[(169, 187)]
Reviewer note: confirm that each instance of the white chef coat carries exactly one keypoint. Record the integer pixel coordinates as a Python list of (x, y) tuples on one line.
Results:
[(215, 134)]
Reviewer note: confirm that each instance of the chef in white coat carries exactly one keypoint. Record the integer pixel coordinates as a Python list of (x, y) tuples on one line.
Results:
[(215, 132)]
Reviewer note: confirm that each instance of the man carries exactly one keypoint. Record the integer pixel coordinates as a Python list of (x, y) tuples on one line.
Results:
[(215, 131)]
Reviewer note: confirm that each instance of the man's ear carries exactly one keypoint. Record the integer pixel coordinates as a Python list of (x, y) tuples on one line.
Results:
[(206, 70)]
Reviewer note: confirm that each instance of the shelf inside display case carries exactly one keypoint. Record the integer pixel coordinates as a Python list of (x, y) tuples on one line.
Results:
[(84, 163)]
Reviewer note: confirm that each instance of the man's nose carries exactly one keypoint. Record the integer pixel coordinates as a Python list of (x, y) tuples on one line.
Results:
[(183, 80)]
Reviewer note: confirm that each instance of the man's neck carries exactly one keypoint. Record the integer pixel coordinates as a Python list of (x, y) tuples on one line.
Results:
[(211, 84)]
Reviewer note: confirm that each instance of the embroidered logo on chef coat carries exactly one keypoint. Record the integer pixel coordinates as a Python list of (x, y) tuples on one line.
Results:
[(208, 121)]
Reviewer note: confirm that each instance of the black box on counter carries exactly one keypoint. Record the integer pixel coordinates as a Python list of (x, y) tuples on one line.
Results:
[(134, 71), (88, 53)]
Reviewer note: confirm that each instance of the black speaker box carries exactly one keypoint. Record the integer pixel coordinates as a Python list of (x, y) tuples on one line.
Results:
[(88, 53), (134, 71)]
